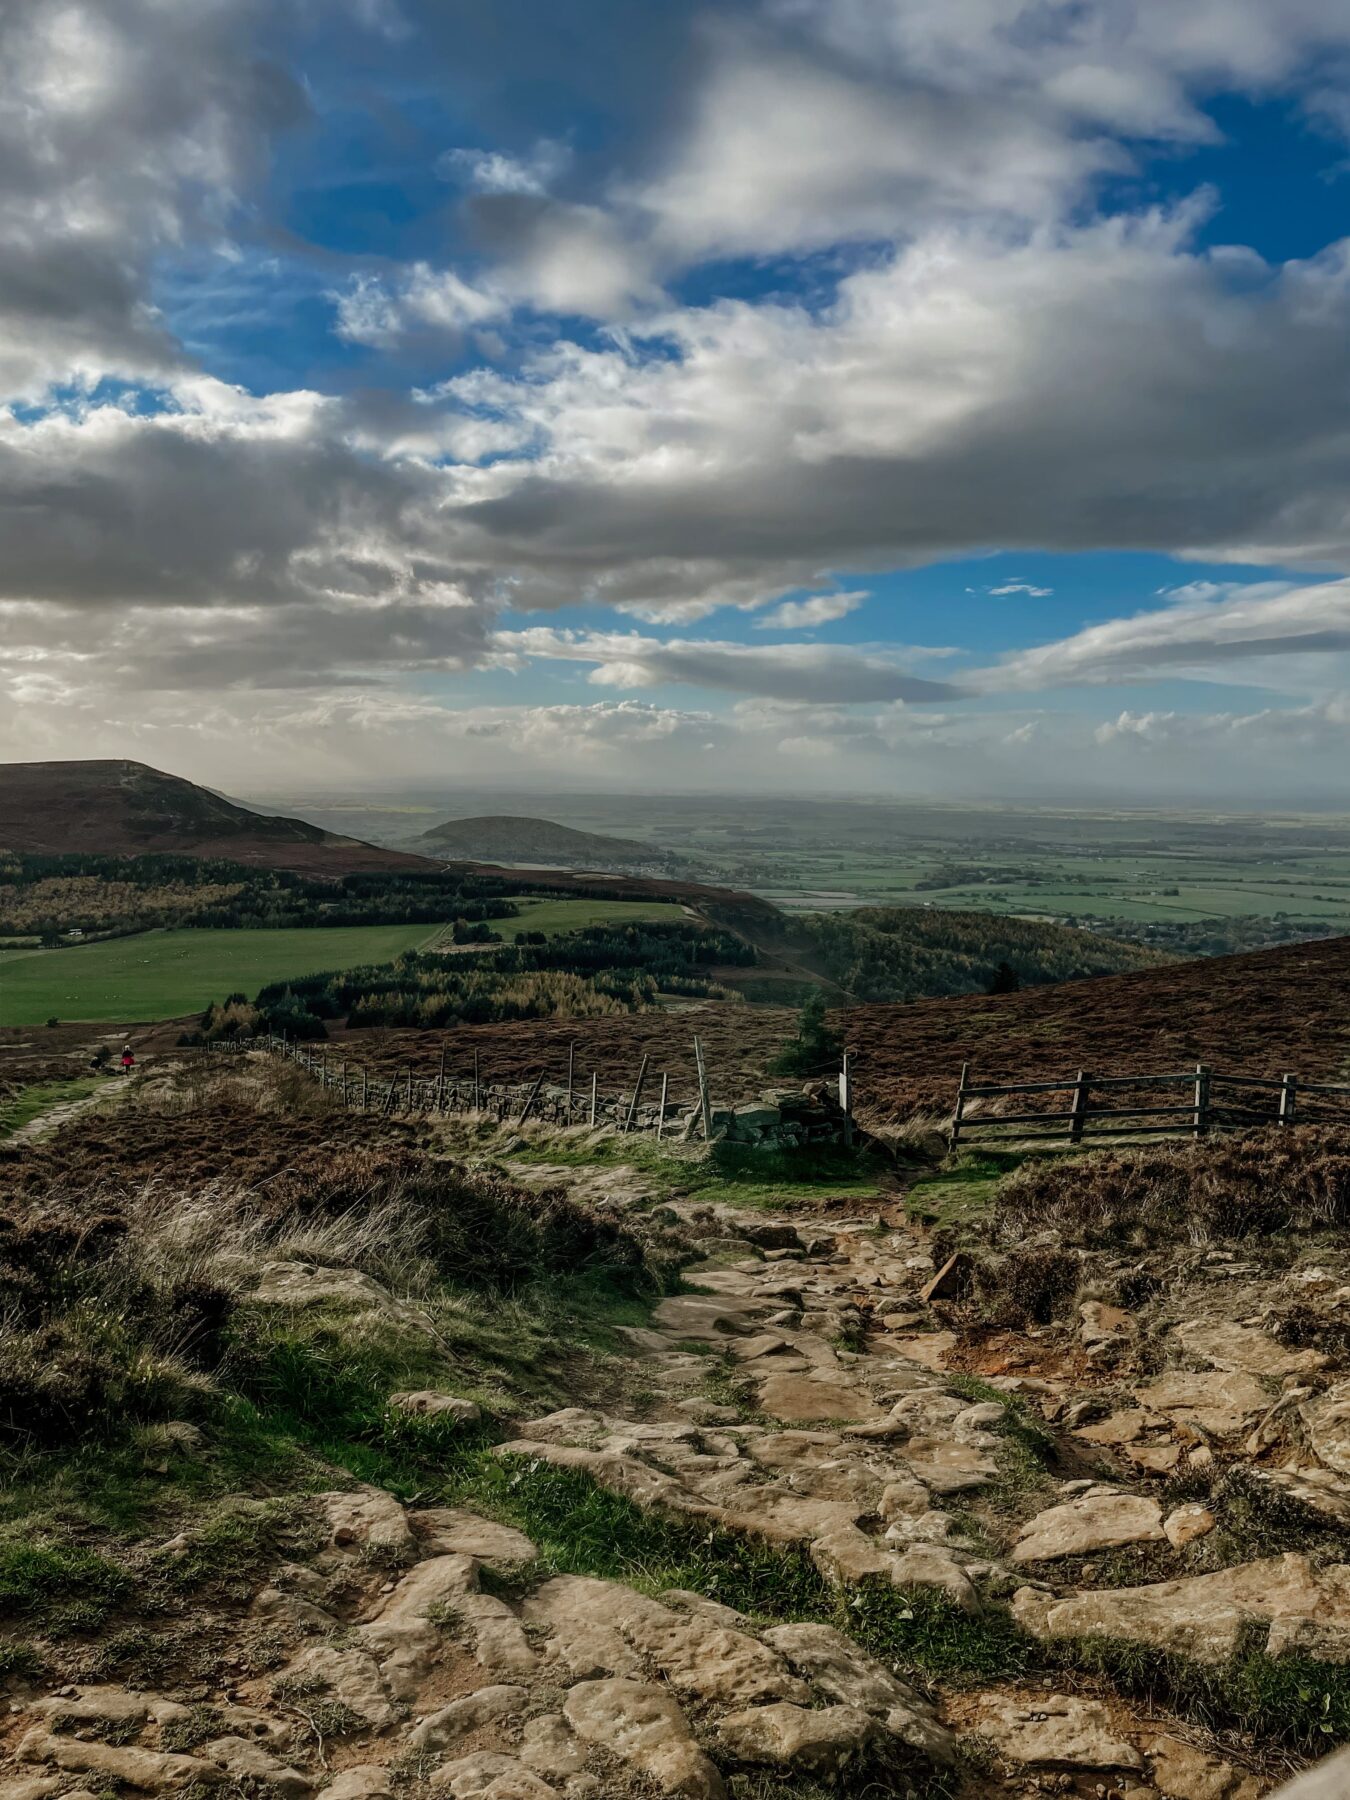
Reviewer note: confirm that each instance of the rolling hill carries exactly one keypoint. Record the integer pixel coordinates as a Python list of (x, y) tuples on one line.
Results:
[(116, 808), (539, 843)]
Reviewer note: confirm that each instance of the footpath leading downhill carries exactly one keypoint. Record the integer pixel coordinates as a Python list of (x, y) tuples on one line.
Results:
[(925, 1550)]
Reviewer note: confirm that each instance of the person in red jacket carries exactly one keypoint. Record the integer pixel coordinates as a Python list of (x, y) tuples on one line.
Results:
[(128, 1061)]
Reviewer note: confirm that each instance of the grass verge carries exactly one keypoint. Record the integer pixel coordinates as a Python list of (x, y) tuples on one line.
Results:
[(41, 1097), (734, 1175)]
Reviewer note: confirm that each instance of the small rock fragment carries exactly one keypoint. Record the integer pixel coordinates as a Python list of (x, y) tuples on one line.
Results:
[(1186, 1524)]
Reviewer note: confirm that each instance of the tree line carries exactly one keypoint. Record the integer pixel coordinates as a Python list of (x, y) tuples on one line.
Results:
[(881, 953), (106, 896), (597, 970)]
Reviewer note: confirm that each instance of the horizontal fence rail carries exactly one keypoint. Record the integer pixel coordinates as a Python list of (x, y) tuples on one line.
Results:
[(1190, 1102)]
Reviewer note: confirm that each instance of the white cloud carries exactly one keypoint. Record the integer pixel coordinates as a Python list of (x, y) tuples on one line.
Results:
[(1206, 631), (127, 129), (934, 409), (784, 152), (493, 172), (426, 300), (1020, 587), (819, 609), (811, 673)]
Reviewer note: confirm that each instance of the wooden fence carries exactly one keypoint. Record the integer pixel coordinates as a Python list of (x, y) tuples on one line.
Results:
[(578, 1102), (1211, 1101)]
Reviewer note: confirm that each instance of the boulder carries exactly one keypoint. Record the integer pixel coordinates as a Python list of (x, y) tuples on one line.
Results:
[(449, 1530), (253, 1769), (607, 1628), (839, 1670), (1100, 1324), (929, 1348), (1220, 1404), (1125, 1427), (928, 1565), (948, 1468), (1182, 1772), (822, 1740), (1058, 1729), (1245, 1348), (500, 1642), (427, 1404), (441, 1729), (802, 1400), (1089, 1523), (1328, 1424), (1186, 1524), (364, 1781), (548, 1746), (118, 1765), (1306, 1610), (489, 1775), (365, 1518), (640, 1724)]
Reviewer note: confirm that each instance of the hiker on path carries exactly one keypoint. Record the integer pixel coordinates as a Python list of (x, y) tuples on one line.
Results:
[(128, 1060)]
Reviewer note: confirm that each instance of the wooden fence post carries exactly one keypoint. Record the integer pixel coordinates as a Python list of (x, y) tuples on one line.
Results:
[(846, 1096), (571, 1071), (1201, 1124), (528, 1107), (1288, 1099), (595, 1096), (960, 1106), (703, 1101), (637, 1095), (440, 1082), (1078, 1113), (345, 1101), (661, 1116)]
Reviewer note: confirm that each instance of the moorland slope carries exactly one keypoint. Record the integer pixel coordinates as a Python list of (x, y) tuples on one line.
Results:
[(1260, 1013), (124, 808)]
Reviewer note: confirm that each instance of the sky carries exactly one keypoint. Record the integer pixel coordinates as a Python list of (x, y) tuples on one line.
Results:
[(935, 398)]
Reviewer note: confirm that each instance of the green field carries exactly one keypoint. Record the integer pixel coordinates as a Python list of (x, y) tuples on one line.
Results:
[(163, 974), (570, 915)]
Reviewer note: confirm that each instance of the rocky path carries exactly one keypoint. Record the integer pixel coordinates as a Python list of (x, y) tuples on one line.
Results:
[(796, 1394), (803, 1400)]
